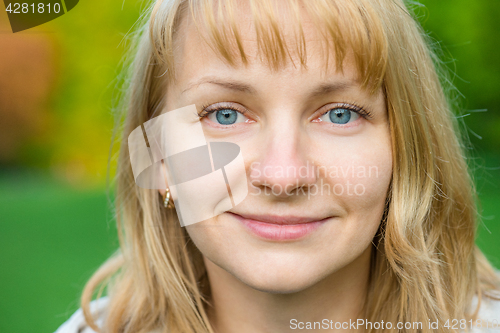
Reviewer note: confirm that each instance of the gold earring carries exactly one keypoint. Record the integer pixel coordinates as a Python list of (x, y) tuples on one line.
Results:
[(166, 199)]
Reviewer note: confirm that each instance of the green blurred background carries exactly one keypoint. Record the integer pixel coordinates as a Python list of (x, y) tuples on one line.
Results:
[(58, 86)]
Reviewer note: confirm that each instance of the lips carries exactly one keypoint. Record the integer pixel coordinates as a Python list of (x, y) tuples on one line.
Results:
[(280, 228)]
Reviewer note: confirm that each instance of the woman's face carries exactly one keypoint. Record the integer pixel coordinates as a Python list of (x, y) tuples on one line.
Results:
[(318, 158)]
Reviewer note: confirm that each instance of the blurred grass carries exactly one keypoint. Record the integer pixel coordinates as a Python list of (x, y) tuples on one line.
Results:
[(487, 179), (52, 237)]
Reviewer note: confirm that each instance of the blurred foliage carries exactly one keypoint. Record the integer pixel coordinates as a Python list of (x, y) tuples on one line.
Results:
[(92, 44), (467, 32), (88, 44), (27, 76)]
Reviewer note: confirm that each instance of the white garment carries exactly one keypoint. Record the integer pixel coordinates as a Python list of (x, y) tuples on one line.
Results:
[(490, 310), (76, 323)]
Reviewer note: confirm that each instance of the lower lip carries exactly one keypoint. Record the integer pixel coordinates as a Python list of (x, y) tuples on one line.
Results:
[(279, 232)]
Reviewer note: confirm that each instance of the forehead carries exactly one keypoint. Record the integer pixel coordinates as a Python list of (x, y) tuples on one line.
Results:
[(196, 55)]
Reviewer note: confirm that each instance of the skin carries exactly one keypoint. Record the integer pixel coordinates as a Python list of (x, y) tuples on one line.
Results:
[(259, 285)]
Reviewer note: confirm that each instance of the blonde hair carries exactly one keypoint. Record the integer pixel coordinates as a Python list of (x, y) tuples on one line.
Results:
[(425, 263)]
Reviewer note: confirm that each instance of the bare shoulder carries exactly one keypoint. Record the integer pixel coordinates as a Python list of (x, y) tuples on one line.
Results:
[(76, 323)]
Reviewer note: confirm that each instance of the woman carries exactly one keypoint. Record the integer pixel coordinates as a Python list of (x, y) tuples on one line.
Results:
[(359, 210)]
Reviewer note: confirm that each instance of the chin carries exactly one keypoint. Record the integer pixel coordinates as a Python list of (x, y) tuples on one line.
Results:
[(281, 277), (278, 283)]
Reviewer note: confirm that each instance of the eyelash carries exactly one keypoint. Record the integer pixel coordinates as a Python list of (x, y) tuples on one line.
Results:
[(362, 111), (204, 112)]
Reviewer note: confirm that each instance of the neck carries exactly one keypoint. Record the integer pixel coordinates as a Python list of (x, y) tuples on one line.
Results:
[(339, 297)]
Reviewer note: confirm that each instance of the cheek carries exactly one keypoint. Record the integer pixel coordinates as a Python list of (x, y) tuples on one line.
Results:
[(360, 175), (213, 237), (358, 169)]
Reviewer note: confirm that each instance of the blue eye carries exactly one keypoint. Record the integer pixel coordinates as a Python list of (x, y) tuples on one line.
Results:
[(340, 116), (226, 116)]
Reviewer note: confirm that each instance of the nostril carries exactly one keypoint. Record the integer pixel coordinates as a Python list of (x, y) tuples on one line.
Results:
[(281, 180)]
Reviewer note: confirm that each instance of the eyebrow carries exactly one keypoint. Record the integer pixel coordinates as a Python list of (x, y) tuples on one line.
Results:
[(321, 90), (327, 88), (233, 85)]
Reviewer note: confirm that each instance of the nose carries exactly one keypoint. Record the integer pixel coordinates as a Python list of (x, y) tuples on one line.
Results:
[(283, 167)]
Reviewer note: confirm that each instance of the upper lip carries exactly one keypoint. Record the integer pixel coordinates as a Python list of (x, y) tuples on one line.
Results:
[(280, 219)]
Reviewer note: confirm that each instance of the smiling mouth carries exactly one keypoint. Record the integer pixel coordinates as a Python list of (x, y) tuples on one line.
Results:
[(279, 228)]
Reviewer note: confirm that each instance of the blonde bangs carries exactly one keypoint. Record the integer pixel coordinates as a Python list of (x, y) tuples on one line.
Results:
[(345, 26)]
